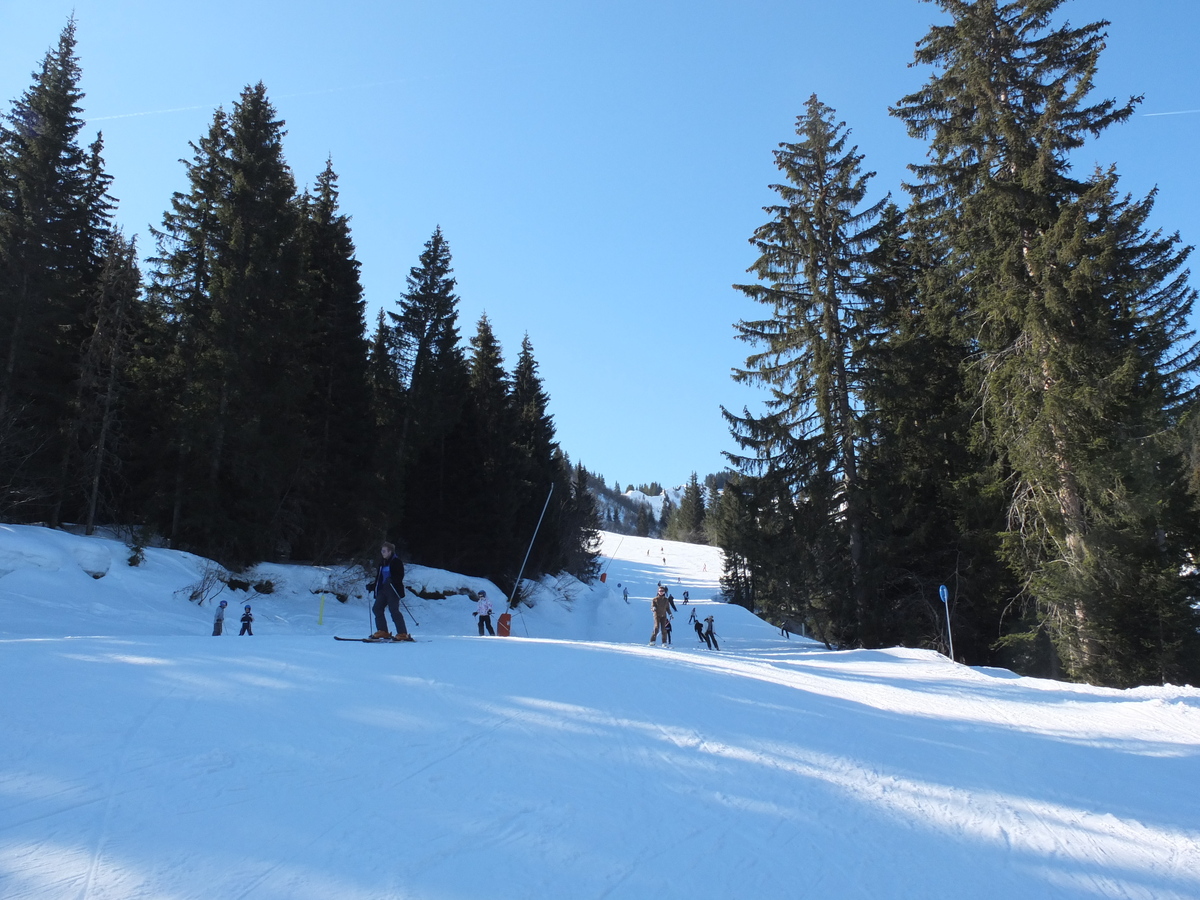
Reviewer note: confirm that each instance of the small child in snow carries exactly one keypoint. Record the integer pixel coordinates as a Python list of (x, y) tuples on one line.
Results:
[(247, 618), (219, 621), (483, 609)]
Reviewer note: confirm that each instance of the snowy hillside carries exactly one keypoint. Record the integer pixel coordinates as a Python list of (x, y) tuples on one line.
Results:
[(142, 758)]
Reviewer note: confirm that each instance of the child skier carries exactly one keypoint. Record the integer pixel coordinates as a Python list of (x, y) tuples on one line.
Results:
[(219, 621), (483, 609), (247, 618)]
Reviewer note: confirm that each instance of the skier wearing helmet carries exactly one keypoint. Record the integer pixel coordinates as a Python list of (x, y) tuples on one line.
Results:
[(219, 620)]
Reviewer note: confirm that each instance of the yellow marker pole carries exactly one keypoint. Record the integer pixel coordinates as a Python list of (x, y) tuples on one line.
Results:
[(321, 614)]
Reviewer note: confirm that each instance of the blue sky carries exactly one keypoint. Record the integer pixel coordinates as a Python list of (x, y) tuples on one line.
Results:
[(596, 167)]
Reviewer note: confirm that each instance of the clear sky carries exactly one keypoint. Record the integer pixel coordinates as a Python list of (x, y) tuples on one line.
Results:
[(597, 167)]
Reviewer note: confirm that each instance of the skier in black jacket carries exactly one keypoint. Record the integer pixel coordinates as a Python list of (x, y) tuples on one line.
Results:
[(388, 588), (698, 624)]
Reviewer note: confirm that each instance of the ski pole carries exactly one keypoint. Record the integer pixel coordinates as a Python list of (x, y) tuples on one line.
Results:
[(405, 605)]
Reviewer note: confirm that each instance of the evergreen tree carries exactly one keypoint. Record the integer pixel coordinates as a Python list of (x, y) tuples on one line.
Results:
[(538, 466), (434, 378), (814, 252), (181, 294), (1083, 348), (106, 375), (581, 520), (487, 477), (932, 488), (687, 522), (427, 338), (387, 413), (54, 220), (229, 272), (340, 434)]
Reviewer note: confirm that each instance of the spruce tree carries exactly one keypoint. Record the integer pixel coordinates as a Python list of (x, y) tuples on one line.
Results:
[(813, 253), (427, 337), (106, 378), (229, 273), (485, 462), (687, 522), (580, 519), (931, 484), (340, 432), (180, 292), (537, 467), (1080, 319), (434, 379), (54, 219)]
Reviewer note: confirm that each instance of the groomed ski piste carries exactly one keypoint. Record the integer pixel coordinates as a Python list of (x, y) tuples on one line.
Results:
[(142, 758)]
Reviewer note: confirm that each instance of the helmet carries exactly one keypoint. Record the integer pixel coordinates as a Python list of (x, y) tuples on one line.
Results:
[(224, 602), (247, 607)]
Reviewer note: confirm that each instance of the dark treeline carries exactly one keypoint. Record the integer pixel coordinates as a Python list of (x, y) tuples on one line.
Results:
[(231, 401), (990, 389)]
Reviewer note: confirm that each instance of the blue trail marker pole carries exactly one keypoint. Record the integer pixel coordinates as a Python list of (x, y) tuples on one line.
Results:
[(945, 595)]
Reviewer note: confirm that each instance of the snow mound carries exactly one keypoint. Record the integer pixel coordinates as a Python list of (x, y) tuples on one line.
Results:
[(95, 559)]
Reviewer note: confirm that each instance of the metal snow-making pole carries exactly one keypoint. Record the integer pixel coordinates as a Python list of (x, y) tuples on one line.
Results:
[(521, 571), (944, 594)]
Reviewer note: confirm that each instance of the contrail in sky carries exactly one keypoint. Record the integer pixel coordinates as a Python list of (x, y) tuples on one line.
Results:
[(161, 112), (1178, 112), (152, 112)]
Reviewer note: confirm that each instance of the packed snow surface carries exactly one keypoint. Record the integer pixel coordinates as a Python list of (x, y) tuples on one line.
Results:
[(142, 758)]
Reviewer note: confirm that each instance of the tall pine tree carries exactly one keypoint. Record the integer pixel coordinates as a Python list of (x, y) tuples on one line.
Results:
[(813, 255), (54, 220), (229, 274), (433, 377), (1083, 351), (340, 432), (538, 465)]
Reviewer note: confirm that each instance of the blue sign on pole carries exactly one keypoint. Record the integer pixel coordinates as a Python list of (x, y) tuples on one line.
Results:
[(945, 594)]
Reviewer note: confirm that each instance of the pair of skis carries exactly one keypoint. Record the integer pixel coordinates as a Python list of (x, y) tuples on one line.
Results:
[(411, 640)]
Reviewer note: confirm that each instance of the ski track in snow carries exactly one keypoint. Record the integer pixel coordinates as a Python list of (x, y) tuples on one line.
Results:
[(148, 761)]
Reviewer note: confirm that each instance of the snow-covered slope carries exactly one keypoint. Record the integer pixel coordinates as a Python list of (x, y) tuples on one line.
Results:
[(150, 760)]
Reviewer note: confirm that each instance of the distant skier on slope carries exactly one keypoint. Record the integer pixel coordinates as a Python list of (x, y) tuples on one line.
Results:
[(483, 609), (695, 622), (710, 634), (247, 618), (388, 588)]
